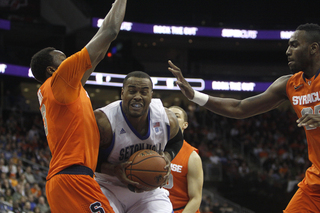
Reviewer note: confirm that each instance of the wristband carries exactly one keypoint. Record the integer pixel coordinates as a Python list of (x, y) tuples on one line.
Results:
[(200, 98)]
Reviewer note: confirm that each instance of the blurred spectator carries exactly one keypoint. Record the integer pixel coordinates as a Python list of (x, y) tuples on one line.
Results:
[(33, 133), (31, 200), (3, 166), (6, 185), (19, 192), (206, 209), (29, 175), (8, 196), (12, 168), (27, 207), (214, 158), (43, 206), (13, 180), (244, 170), (36, 190)]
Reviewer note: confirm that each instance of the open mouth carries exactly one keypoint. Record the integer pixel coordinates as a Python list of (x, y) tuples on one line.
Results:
[(136, 106)]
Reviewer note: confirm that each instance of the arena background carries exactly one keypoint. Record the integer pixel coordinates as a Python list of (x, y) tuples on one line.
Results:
[(67, 25)]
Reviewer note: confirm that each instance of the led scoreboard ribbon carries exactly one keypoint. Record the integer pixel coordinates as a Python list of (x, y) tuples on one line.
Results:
[(159, 83), (200, 31)]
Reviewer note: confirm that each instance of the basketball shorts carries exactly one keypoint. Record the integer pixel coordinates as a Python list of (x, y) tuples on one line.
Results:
[(123, 200), (304, 201), (76, 193)]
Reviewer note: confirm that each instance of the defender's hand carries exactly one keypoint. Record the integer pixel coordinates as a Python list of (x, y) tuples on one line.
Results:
[(309, 120), (184, 86)]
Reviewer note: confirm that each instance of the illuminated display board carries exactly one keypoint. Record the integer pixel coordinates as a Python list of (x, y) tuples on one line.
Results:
[(200, 31), (159, 83)]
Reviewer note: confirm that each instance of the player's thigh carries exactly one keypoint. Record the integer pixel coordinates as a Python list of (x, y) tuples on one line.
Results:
[(113, 200), (76, 193), (156, 201), (303, 202)]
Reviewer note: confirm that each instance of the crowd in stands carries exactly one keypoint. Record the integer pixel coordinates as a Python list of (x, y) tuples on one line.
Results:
[(267, 154)]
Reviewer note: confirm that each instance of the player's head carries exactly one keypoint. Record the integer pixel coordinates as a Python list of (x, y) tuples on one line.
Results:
[(45, 62), (303, 49), (181, 116), (136, 94)]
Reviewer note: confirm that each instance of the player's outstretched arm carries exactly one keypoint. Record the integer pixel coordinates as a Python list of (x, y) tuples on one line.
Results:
[(109, 30), (233, 108), (195, 183)]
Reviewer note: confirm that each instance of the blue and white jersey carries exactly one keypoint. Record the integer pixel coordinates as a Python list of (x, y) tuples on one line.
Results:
[(126, 140)]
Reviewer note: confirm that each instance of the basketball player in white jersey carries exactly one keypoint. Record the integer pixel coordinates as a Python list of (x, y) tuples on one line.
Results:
[(134, 123)]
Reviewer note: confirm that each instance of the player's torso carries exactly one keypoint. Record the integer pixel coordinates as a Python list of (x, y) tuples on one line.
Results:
[(304, 95), (126, 140), (177, 184), (69, 127)]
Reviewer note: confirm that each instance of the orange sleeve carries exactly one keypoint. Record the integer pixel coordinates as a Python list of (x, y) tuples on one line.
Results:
[(66, 80)]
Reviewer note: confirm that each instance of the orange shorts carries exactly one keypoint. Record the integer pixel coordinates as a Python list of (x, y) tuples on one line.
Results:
[(304, 201), (76, 193)]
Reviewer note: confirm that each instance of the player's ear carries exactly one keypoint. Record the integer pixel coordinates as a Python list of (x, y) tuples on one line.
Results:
[(185, 125), (50, 70), (121, 92), (314, 47)]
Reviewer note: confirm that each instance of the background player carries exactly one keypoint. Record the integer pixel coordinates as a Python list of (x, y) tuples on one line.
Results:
[(137, 122), (69, 121), (301, 89), (186, 179)]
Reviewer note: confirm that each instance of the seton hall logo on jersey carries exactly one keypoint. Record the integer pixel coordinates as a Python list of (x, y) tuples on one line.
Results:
[(157, 127)]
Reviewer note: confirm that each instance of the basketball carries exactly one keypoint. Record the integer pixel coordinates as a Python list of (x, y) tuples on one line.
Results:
[(147, 168)]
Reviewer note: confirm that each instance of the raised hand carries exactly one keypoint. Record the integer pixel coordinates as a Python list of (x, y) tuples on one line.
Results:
[(184, 86)]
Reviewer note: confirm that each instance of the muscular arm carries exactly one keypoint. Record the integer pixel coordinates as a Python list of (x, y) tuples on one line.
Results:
[(266, 101), (105, 140), (99, 44), (229, 107), (195, 183)]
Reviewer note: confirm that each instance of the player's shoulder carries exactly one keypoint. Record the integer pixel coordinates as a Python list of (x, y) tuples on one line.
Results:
[(110, 106), (195, 160), (284, 79)]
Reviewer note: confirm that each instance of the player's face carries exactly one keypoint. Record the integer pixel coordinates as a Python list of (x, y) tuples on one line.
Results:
[(298, 52), (58, 58), (136, 96), (179, 114)]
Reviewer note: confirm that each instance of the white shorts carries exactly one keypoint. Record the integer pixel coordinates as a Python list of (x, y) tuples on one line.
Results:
[(123, 200)]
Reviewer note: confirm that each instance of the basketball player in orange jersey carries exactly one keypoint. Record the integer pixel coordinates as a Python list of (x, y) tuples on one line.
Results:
[(302, 89), (69, 122), (136, 122), (186, 179)]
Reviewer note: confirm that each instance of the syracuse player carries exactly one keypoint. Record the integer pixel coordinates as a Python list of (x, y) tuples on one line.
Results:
[(301, 89), (186, 179), (70, 126)]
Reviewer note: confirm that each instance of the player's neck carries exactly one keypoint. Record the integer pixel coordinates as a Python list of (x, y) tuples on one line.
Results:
[(140, 124)]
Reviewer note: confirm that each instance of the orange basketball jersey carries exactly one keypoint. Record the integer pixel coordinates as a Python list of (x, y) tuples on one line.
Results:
[(178, 185), (71, 128), (304, 95)]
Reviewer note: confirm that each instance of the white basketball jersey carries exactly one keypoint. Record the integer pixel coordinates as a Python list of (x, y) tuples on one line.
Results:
[(126, 141)]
